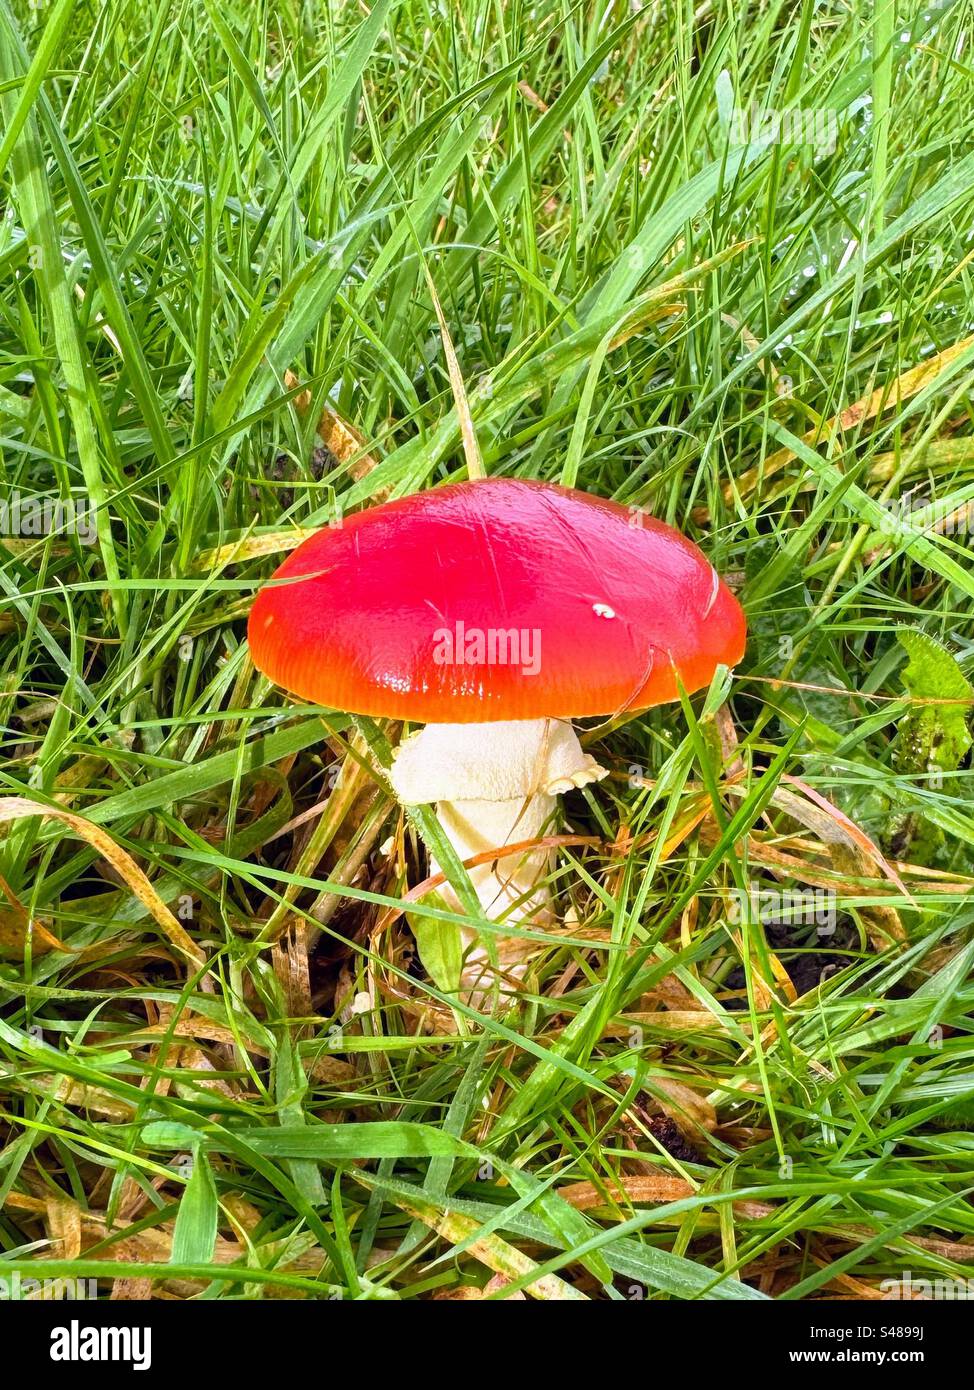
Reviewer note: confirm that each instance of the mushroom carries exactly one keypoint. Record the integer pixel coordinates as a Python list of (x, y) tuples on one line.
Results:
[(494, 612)]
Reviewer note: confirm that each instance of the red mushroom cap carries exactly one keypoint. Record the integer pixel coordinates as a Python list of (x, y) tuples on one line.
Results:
[(497, 599)]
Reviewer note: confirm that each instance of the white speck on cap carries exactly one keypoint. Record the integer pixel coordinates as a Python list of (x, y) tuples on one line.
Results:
[(602, 610), (714, 590)]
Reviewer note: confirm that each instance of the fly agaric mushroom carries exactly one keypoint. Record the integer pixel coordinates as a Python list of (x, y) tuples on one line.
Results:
[(494, 612)]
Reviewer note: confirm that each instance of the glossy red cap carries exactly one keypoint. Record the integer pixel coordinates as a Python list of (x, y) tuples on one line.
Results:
[(497, 599)]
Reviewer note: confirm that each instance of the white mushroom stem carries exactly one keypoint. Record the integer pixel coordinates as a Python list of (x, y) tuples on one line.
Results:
[(494, 785)]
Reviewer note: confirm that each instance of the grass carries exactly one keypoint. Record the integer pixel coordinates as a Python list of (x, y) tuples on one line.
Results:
[(520, 239)]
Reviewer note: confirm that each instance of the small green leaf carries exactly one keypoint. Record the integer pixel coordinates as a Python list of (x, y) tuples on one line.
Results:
[(933, 735), (439, 945), (167, 1134), (194, 1238)]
